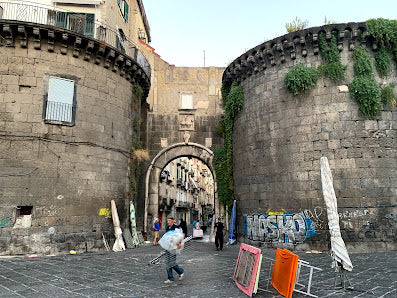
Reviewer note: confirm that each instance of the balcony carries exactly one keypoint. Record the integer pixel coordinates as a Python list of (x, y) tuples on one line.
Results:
[(79, 23), (180, 204)]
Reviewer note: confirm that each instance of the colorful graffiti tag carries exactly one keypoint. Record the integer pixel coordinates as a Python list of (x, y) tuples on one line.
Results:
[(6, 223), (278, 227)]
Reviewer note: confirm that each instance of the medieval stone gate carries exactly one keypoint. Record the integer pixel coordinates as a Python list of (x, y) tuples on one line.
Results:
[(156, 166), (185, 108)]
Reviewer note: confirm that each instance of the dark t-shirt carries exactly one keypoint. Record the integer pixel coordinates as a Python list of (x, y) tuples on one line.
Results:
[(183, 227), (219, 227), (173, 227)]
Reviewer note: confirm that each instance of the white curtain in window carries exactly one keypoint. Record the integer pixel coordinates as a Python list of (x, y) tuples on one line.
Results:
[(60, 99)]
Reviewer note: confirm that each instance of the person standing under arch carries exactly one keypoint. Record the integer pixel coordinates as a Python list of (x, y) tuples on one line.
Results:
[(219, 234)]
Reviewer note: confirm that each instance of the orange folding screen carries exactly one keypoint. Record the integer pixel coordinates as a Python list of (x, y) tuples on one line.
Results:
[(284, 272)]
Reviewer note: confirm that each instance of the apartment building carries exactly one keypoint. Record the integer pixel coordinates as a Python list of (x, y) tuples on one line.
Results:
[(120, 23), (186, 190)]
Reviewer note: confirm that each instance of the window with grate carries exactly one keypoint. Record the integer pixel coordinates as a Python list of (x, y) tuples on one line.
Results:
[(59, 101)]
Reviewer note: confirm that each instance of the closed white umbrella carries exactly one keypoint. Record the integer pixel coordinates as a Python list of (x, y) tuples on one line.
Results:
[(118, 243), (338, 248), (134, 233)]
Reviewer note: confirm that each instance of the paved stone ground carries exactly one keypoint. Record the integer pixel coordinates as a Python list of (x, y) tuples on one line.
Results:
[(208, 273)]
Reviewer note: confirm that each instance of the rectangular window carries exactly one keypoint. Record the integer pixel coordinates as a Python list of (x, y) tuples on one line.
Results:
[(24, 210), (126, 11), (59, 101), (82, 23), (120, 43), (186, 101), (76, 22)]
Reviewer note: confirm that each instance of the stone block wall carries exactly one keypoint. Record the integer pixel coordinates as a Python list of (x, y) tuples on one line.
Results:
[(66, 175), (279, 139)]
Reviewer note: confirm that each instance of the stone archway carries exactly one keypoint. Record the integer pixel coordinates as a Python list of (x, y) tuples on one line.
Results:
[(160, 161)]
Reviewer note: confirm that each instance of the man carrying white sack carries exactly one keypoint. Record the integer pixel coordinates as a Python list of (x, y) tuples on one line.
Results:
[(172, 243)]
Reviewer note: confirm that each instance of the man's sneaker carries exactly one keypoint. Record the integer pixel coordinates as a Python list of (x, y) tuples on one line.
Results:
[(181, 276), (168, 281)]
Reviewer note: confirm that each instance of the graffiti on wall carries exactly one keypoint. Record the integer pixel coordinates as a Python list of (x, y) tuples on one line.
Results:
[(105, 212), (278, 227), (368, 223), (317, 216), (6, 223)]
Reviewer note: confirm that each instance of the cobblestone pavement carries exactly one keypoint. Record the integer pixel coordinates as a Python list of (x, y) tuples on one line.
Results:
[(208, 273)]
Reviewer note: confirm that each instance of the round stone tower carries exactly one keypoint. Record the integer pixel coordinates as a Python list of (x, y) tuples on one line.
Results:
[(67, 115), (278, 140)]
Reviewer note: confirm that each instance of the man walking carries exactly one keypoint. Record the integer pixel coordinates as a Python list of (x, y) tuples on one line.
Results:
[(219, 234), (171, 257)]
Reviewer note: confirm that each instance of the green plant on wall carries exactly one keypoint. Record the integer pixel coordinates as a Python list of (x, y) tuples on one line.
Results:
[(138, 155), (137, 91), (364, 88), (296, 24), (332, 66), (383, 61), (136, 99), (387, 96), (233, 99), (384, 31), (300, 79)]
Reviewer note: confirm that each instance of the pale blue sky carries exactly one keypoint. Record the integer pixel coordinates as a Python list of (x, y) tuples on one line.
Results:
[(182, 29)]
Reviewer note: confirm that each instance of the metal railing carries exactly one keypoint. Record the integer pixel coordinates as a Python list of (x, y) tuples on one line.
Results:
[(59, 112), (81, 23)]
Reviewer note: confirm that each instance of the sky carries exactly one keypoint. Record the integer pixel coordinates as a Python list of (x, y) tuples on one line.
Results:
[(199, 33)]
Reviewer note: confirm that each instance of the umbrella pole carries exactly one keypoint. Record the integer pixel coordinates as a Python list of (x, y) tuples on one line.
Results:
[(344, 281)]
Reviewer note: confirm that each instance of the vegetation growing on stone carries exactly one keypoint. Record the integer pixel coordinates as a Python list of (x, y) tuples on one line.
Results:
[(300, 79), (364, 88), (296, 25), (137, 91), (384, 31), (138, 155), (387, 96), (233, 99), (332, 66), (383, 61)]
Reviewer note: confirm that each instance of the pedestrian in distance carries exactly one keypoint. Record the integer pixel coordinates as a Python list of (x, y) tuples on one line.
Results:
[(219, 234), (196, 224), (183, 226), (156, 229), (171, 257)]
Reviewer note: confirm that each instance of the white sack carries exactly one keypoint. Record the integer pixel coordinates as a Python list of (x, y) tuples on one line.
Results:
[(170, 240)]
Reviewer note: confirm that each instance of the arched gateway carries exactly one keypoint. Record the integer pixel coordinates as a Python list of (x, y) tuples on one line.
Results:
[(160, 161)]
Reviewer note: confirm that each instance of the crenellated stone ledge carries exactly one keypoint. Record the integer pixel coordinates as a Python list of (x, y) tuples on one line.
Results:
[(15, 33), (293, 46)]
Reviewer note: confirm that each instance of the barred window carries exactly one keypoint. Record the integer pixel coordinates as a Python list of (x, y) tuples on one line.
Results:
[(59, 101)]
